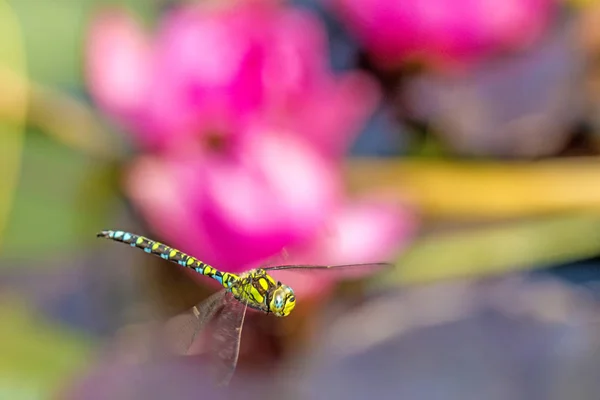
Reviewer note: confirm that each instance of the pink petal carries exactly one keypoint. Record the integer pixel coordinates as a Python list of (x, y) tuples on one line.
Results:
[(332, 117), (209, 68), (117, 62), (441, 32), (278, 194), (295, 56), (369, 231), (211, 53)]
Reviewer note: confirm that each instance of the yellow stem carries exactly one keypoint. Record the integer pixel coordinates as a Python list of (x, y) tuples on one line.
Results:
[(482, 190), (60, 116)]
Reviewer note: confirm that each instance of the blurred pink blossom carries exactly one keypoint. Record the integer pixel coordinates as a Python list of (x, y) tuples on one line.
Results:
[(443, 33), (246, 124), (215, 72)]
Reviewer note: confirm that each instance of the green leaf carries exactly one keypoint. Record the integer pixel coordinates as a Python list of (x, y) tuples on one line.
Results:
[(49, 213), (55, 35)]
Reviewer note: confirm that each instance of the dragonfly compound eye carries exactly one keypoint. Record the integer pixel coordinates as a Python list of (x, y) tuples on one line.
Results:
[(280, 303)]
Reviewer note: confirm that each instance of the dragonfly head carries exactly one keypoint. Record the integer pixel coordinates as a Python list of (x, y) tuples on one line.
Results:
[(282, 301)]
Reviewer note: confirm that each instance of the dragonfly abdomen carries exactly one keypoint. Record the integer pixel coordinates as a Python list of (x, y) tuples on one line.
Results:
[(170, 254)]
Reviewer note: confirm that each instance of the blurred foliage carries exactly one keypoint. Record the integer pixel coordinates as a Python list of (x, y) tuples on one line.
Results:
[(36, 356), (50, 213), (11, 60), (53, 34), (49, 202), (487, 251)]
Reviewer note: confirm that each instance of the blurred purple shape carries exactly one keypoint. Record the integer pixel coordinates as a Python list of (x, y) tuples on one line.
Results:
[(443, 33), (523, 105), (499, 340), (90, 291), (176, 379)]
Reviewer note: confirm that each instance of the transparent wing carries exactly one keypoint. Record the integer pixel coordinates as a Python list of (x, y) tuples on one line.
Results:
[(225, 346), (344, 271), (341, 266), (183, 329), (227, 315), (277, 259)]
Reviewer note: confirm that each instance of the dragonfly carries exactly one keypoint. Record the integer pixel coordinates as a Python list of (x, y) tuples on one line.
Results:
[(255, 289)]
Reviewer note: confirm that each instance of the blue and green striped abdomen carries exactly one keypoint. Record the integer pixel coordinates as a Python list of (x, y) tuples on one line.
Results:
[(170, 254), (255, 288)]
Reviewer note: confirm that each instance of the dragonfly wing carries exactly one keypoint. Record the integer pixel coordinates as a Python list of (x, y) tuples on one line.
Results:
[(341, 271), (183, 329), (345, 271), (340, 266), (227, 338)]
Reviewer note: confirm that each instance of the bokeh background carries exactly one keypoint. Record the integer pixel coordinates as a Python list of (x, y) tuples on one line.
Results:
[(457, 139)]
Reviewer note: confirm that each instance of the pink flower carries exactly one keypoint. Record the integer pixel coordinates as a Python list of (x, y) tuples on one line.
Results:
[(443, 32), (246, 124), (211, 72)]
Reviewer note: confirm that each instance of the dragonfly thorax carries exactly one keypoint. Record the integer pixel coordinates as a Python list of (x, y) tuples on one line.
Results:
[(260, 291)]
